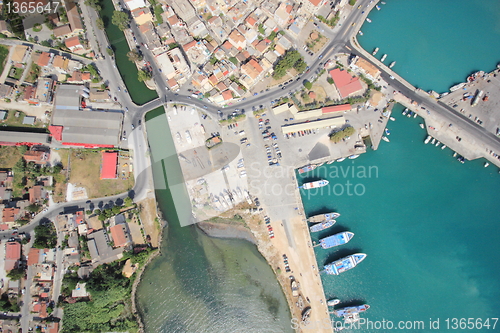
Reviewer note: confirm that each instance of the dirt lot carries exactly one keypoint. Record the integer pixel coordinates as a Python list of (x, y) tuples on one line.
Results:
[(85, 170), (316, 44), (9, 156), (149, 220)]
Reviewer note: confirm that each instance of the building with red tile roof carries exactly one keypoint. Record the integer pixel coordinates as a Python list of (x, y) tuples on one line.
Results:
[(73, 43), (10, 214), (227, 95), (44, 59), (12, 255), (35, 194), (346, 83), (336, 108), (33, 256), (120, 236)]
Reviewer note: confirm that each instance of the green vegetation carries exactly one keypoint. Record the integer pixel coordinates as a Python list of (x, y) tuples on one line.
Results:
[(134, 56), (93, 4), (331, 22), (46, 43), (234, 61), (231, 119), (120, 19), (308, 85), (369, 82), (213, 60), (16, 73), (292, 59), (342, 134), (94, 73), (352, 2), (4, 52), (45, 236), (158, 11), (14, 19), (110, 308), (19, 178), (33, 74), (8, 305), (16, 274), (329, 80), (110, 51), (272, 36), (172, 46), (37, 27), (143, 75), (261, 29), (9, 156), (99, 23), (63, 16)]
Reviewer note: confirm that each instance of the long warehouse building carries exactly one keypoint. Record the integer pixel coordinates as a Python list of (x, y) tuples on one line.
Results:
[(328, 122)]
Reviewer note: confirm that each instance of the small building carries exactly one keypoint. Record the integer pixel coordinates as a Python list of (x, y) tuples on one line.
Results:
[(12, 255), (108, 165), (329, 122), (346, 83), (336, 108), (73, 44), (120, 235)]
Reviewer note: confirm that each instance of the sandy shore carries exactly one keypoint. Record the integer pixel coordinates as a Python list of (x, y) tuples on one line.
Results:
[(221, 230)]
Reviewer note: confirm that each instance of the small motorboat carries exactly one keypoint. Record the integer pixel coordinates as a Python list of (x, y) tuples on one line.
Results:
[(333, 302)]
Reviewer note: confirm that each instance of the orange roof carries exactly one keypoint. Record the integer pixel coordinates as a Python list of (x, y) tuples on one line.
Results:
[(212, 79), (172, 83), (173, 20), (336, 108), (12, 255), (35, 193), (4, 227), (189, 45), (315, 2), (118, 234), (227, 45), (43, 310), (250, 20), (73, 41), (289, 9), (227, 94), (86, 76), (345, 83), (221, 86), (256, 65), (9, 214), (44, 59), (33, 256), (236, 36)]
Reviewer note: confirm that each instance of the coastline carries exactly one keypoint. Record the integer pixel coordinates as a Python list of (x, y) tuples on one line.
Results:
[(224, 230)]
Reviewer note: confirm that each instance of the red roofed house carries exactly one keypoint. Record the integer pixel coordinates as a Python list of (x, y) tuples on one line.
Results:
[(56, 132), (10, 214), (312, 5), (345, 83), (237, 39), (36, 194), (33, 256), (12, 255), (189, 45), (73, 44), (120, 235), (108, 166), (251, 20), (44, 59), (227, 94), (336, 108)]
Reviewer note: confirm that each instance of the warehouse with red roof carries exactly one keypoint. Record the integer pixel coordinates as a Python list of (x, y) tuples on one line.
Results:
[(108, 165), (346, 83)]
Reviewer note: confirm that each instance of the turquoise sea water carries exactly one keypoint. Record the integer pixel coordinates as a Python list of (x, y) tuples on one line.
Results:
[(428, 224), (435, 44)]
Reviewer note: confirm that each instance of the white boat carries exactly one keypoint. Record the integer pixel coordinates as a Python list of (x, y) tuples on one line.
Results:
[(415, 115), (378, 8), (486, 164), (405, 111), (433, 141), (392, 118), (443, 147), (353, 157), (428, 139), (375, 51), (383, 57), (360, 32), (330, 162), (392, 64), (340, 159), (368, 20), (455, 154), (422, 125), (387, 132), (438, 143), (333, 302), (386, 139)]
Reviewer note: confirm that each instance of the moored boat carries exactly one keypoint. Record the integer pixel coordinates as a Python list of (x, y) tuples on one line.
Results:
[(486, 164), (333, 302), (386, 139), (433, 141), (428, 139), (336, 240), (422, 125), (383, 57), (392, 118), (405, 111), (307, 168), (323, 217), (378, 8), (349, 310), (368, 20), (443, 147), (415, 115), (353, 156), (340, 159), (344, 264), (360, 32), (315, 184), (330, 162), (375, 51), (438, 143), (392, 64), (322, 226), (387, 132)]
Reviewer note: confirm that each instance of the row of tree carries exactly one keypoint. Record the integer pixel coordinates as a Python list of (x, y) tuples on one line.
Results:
[(291, 59)]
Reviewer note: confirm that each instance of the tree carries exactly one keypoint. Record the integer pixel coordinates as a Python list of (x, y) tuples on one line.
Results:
[(45, 236), (134, 56), (234, 61), (99, 23), (109, 51), (300, 65), (307, 84), (45, 43), (120, 19), (94, 4), (16, 273), (33, 208), (142, 76), (128, 201), (329, 80)]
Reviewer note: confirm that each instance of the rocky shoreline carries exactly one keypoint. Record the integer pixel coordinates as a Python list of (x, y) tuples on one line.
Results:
[(222, 230)]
